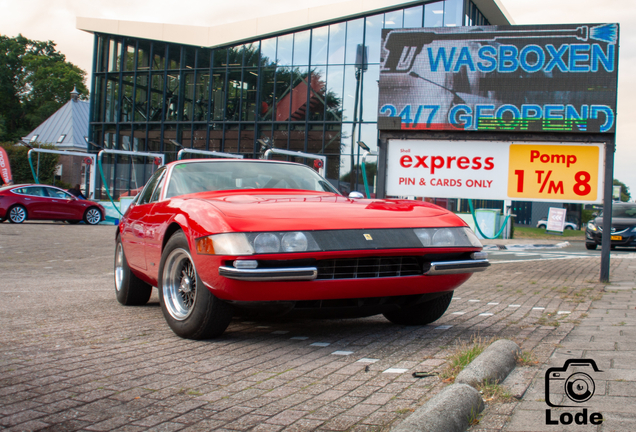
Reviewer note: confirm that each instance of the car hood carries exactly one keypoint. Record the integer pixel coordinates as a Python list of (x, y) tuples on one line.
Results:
[(285, 210), (618, 223)]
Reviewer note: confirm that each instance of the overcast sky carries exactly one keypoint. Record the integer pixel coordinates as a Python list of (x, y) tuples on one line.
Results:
[(55, 20)]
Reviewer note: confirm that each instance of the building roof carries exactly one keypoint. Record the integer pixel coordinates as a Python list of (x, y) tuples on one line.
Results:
[(265, 26), (70, 120)]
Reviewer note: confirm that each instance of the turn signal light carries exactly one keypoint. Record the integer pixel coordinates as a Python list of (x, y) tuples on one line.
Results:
[(205, 245)]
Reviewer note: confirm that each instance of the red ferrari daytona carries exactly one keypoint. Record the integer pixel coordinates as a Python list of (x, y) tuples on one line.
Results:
[(222, 236)]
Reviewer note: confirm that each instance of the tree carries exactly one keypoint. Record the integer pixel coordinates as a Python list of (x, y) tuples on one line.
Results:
[(35, 81), (625, 195)]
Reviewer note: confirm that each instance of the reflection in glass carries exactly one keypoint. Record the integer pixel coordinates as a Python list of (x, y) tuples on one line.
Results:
[(172, 96), (369, 95), (189, 57), (434, 14), (453, 13), (317, 93), (250, 79), (174, 56), (282, 90), (158, 56), (337, 43), (231, 143), (319, 42), (335, 81), (374, 36), (392, 20), (349, 92), (355, 31), (413, 17), (127, 98), (298, 95), (139, 137), (203, 58), (129, 59), (301, 48), (285, 50), (250, 54), (188, 96), (141, 98), (297, 137), (266, 110), (233, 101), (220, 57), (156, 98), (201, 97), (112, 98), (114, 55), (198, 137), (268, 51), (218, 95)]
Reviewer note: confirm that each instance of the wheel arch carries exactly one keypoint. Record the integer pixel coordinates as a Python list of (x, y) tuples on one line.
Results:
[(172, 228)]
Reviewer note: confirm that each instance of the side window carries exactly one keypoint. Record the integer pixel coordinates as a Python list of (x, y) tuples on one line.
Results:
[(157, 193), (150, 187), (36, 191), (56, 193)]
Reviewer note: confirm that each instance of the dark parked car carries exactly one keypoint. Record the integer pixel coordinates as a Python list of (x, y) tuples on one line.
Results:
[(623, 227), (41, 202)]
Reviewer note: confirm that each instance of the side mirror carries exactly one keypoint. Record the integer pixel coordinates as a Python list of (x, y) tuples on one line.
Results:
[(356, 195)]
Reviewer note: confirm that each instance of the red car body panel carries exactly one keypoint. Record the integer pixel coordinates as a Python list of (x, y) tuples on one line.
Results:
[(45, 207), (143, 233)]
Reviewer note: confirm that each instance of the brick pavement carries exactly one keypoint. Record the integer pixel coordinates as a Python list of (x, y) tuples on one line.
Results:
[(72, 358)]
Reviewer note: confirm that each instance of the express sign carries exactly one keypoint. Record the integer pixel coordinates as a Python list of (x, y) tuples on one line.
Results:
[(495, 170)]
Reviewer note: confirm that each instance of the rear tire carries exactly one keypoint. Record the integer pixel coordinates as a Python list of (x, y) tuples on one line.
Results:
[(590, 246), (73, 222), (569, 228), (130, 290), (421, 313), (188, 306), (17, 214)]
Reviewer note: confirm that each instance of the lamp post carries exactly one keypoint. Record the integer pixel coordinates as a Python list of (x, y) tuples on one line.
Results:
[(361, 66)]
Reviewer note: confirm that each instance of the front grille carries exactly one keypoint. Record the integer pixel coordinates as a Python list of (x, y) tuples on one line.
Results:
[(373, 267)]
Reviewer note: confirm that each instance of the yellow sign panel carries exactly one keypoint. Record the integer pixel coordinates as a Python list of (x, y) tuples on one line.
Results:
[(554, 172)]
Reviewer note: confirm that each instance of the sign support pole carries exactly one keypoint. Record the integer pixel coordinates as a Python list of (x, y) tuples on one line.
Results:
[(607, 209)]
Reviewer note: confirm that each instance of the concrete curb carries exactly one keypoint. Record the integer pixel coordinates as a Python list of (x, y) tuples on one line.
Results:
[(448, 411), (452, 408), (493, 365)]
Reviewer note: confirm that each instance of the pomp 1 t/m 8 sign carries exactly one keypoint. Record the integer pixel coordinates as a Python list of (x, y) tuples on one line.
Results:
[(560, 78), (558, 172)]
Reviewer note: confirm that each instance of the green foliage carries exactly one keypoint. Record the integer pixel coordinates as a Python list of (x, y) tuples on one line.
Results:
[(19, 162), (371, 169), (625, 194), (586, 216), (35, 81)]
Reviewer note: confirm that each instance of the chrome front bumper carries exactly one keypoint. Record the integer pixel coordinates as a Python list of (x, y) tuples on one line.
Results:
[(311, 273)]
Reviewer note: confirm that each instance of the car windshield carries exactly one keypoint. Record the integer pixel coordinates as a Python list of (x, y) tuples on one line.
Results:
[(628, 212), (192, 177)]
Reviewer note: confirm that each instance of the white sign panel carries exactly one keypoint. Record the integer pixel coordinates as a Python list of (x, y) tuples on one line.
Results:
[(556, 219), (523, 171)]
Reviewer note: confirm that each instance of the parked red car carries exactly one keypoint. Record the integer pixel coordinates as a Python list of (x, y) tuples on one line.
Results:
[(41, 202), (218, 236)]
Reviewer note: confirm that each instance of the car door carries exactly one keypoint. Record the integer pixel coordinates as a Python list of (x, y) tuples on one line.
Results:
[(133, 230), (37, 203), (154, 226), (61, 203)]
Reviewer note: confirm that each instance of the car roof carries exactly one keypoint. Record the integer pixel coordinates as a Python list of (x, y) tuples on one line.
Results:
[(231, 160)]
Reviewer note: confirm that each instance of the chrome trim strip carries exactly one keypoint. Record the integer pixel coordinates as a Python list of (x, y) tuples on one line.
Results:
[(457, 267), (269, 274)]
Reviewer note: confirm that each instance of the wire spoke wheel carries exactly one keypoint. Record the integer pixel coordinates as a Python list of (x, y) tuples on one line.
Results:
[(179, 283), (93, 216)]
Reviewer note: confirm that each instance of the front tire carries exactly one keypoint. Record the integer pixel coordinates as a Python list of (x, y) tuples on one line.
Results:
[(421, 313), (541, 226), (93, 216), (190, 309), (590, 246), (130, 290), (17, 214)]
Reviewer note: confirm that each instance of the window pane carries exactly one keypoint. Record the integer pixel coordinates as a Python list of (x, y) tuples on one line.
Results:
[(373, 37), (174, 57), (284, 52), (158, 56), (139, 137), (314, 138), (230, 145), (112, 99), (268, 51), (199, 137), (349, 92), (189, 57), (143, 55), (337, 43), (370, 91), (355, 30), (250, 78), (281, 135), (267, 93), (250, 54), (283, 93), (203, 58), (216, 137), (247, 140), (201, 97), (129, 60), (156, 98), (220, 57), (141, 98), (114, 56), (434, 14), (301, 48), (218, 95), (299, 94), (335, 80), (102, 54), (317, 95), (453, 13), (127, 98), (172, 96), (297, 138), (393, 19), (413, 17), (188, 97), (100, 96), (234, 88), (319, 41)]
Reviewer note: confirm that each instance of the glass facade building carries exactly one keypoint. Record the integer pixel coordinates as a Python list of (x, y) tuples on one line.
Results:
[(310, 90)]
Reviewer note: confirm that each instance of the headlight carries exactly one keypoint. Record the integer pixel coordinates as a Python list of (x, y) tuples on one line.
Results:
[(591, 226), (447, 237), (256, 243)]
